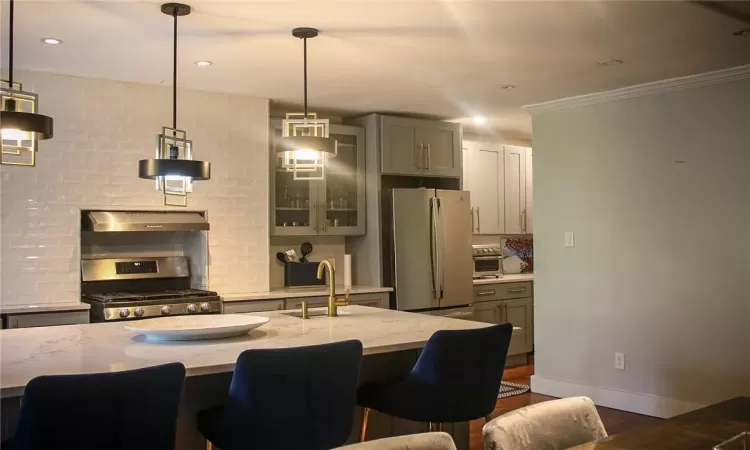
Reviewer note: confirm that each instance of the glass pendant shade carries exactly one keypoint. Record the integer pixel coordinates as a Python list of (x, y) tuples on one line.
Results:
[(305, 146)]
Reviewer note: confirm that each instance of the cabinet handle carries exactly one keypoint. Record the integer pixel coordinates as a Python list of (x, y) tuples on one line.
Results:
[(427, 168), (418, 157), (515, 290), (523, 221), (316, 222), (479, 222), (323, 216), (485, 293), (472, 221)]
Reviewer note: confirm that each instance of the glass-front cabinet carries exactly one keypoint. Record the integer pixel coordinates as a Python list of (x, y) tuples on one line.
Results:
[(334, 206)]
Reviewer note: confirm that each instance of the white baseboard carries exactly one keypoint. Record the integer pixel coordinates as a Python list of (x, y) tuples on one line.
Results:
[(649, 405)]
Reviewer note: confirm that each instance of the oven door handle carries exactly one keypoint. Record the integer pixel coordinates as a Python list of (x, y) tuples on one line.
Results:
[(487, 258)]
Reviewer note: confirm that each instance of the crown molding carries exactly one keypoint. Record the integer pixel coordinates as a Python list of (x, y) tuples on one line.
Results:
[(670, 84)]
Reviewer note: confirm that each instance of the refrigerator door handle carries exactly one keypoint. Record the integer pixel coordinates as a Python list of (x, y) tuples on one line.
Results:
[(435, 244), (440, 245)]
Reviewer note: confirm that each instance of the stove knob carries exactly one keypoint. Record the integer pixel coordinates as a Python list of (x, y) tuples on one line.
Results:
[(124, 312), (139, 312), (205, 307), (192, 308), (166, 310)]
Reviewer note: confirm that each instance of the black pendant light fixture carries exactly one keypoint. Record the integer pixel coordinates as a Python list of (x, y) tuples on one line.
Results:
[(174, 168), (21, 126), (305, 145)]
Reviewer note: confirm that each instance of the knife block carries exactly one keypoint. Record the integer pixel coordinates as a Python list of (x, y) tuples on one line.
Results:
[(302, 275)]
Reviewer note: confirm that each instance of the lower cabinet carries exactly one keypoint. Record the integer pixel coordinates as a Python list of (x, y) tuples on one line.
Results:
[(519, 312), (251, 306), (371, 300), (377, 300), (312, 302), (489, 312), (45, 319)]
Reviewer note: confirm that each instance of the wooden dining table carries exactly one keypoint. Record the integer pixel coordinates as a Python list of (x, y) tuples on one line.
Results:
[(697, 430)]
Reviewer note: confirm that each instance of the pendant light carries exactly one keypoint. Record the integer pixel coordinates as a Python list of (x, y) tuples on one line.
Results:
[(174, 168), (20, 125), (305, 145)]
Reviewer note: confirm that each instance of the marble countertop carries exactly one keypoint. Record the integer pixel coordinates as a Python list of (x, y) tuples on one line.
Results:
[(510, 278), (44, 308), (109, 347), (277, 294)]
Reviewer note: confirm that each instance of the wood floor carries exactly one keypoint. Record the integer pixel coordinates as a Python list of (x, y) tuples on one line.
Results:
[(615, 421)]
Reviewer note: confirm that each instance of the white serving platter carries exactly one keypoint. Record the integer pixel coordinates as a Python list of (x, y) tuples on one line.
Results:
[(190, 328)]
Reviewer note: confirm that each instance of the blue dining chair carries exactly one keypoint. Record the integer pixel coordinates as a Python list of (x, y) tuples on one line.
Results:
[(300, 398), (455, 379), (134, 409)]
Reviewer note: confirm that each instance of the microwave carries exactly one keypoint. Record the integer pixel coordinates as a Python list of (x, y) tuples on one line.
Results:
[(488, 261)]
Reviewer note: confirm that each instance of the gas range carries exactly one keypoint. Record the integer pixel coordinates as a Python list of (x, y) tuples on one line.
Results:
[(135, 288)]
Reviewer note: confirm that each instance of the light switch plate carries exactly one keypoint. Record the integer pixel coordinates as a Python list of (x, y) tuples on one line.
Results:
[(619, 361), (570, 240)]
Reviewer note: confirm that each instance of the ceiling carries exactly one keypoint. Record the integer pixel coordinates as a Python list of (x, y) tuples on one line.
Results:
[(446, 58)]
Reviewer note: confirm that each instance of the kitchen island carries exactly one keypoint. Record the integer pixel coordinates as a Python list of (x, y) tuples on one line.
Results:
[(391, 341)]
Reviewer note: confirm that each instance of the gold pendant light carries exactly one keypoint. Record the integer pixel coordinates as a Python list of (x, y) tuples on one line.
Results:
[(305, 146)]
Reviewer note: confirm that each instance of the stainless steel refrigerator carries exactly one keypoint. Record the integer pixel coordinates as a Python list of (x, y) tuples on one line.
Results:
[(432, 258)]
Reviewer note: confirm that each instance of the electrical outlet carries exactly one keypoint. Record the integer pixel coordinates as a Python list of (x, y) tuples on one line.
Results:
[(620, 361), (570, 239)]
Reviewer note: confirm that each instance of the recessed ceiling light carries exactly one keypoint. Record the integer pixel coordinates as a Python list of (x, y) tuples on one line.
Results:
[(742, 32), (508, 87), (51, 41), (479, 120), (609, 62), (203, 63)]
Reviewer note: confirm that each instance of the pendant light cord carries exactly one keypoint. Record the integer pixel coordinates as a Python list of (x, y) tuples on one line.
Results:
[(10, 49), (304, 43), (174, 74)]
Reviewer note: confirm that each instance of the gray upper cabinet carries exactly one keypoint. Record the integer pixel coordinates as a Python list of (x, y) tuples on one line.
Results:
[(483, 177), (420, 147), (401, 154), (441, 142), (332, 207)]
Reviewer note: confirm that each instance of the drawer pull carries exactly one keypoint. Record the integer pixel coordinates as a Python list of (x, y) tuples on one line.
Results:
[(514, 290), (484, 293)]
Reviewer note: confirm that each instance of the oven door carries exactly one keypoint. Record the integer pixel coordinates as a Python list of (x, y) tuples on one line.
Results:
[(487, 266)]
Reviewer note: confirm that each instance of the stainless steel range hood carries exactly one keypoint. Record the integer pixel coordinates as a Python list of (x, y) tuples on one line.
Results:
[(107, 221)]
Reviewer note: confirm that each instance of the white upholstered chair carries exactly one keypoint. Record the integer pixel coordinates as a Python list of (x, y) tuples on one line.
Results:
[(552, 425), (423, 441)]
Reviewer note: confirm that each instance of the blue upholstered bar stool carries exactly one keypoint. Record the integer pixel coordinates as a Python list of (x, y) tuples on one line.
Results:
[(300, 398), (456, 379), (134, 409)]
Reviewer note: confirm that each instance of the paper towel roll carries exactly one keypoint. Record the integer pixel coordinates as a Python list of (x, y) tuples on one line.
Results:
[(347, 271)]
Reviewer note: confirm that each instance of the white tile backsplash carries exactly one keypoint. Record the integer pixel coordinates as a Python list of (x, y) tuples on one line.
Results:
[(102, 129)]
